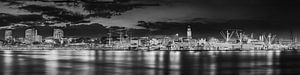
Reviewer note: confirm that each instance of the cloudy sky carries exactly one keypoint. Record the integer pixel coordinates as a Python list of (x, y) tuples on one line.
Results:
[(180, 11), (205, 15), (186, 10)]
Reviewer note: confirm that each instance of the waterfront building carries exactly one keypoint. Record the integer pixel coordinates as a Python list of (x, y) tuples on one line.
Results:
[(135, 42), (38, 38), (189, 32), (8, 35), (32, 36), (58, 34)]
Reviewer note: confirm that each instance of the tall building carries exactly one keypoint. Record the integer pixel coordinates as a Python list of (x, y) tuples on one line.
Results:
[(38, 38), (58, 34), (31, 35), (189, 32), (8, 34)]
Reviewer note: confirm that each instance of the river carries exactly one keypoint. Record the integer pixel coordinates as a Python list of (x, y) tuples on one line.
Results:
[(96, 62)]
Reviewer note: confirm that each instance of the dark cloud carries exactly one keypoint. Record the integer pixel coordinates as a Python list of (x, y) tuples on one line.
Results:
[(59, 13), (8, 19)]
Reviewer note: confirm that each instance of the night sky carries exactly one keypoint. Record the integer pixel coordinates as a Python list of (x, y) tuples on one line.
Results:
[(164, 16)]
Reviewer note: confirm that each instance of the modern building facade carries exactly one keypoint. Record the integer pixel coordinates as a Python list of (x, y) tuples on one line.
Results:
[(58, 34), (32, 36), (8, 34)]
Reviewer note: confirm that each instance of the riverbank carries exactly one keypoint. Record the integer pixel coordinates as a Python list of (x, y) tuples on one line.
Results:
[(124, 49)]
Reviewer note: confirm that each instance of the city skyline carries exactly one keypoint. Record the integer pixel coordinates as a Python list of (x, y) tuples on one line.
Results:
[(206, 16)]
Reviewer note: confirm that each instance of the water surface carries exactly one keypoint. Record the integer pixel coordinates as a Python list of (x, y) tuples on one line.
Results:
[(91, 62)]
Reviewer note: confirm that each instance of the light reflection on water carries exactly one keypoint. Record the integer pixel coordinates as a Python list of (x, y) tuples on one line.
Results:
[(91, 62)]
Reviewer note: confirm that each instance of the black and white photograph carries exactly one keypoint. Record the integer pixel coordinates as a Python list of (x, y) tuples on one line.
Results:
[(149, 37)]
